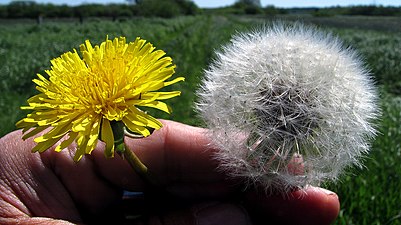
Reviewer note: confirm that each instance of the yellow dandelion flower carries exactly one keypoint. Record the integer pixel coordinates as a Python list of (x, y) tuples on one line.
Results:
[(84, 97)]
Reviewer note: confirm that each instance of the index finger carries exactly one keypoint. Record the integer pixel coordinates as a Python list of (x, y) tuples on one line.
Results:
[(179, 155)]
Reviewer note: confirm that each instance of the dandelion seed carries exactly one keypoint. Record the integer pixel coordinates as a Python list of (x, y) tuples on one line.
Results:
[(288, 106), (89, 98)]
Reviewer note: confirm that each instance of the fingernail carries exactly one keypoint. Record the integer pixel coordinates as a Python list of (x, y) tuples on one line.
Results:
[(222, 214), (329, 193), (325, 191)]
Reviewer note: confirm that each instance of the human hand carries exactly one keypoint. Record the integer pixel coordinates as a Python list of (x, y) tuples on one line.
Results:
[(51, 188)]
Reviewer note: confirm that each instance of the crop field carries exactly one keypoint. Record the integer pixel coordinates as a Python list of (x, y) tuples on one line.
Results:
[(371, 195)]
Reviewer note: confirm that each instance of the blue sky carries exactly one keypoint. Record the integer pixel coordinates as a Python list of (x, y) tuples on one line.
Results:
[(218, 3)]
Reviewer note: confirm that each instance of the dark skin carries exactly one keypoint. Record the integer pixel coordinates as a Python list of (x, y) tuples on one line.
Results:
[(49, 188)]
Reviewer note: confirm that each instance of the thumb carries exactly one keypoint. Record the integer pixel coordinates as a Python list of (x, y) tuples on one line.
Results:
[(307, 206)]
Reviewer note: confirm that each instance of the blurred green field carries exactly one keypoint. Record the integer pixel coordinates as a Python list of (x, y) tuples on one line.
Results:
[(369, 196)]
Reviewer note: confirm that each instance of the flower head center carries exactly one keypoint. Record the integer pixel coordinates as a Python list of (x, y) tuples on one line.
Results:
[(287, 110)]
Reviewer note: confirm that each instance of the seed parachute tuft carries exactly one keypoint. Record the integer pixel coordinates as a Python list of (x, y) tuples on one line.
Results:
[(287, 106)]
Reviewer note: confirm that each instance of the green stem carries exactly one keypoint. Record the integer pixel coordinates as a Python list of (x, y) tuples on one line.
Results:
[(129, 155), (140, 168), (136, 163)]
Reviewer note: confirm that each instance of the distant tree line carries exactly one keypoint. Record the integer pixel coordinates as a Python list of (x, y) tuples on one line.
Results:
[(250, 7), (172, 8), (159, 8), (369, 10)]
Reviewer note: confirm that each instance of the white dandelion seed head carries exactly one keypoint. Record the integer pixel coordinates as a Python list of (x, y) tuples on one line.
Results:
[(288, 106)]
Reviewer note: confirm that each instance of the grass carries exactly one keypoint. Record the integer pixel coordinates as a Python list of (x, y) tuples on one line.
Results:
[(371, 195), (368, 196)]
